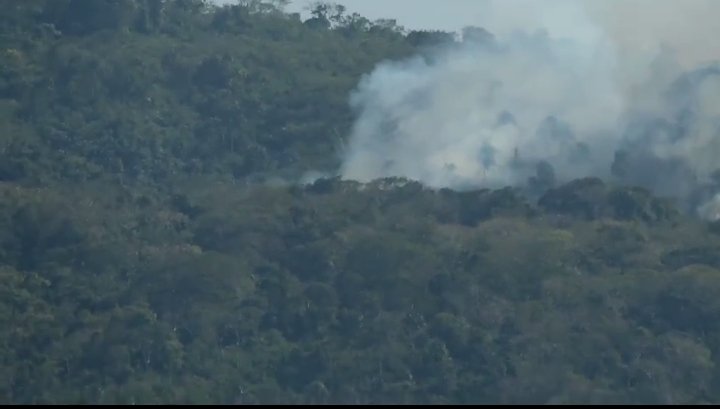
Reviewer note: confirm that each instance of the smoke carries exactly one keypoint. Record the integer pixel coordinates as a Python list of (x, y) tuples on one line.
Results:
[(621, 89)]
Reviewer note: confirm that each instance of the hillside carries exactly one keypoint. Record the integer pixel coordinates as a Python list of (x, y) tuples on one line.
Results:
[(153, 248)]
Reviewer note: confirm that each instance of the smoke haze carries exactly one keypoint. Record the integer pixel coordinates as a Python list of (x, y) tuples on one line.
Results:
[(621, 89)]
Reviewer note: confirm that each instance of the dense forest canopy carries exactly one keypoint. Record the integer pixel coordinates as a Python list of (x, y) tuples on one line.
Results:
[(155, 248)]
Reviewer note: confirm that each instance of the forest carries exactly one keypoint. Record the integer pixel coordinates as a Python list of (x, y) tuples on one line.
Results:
[(157, 247)]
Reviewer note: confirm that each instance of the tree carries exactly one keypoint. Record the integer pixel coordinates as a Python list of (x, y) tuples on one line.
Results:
[(81, 17), (544, 178), (477, 35)]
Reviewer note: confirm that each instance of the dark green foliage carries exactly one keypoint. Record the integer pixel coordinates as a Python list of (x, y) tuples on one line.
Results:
[(148, 257), (591, 199), (639, 204), (709, 256), (149, 90), (583, 198)]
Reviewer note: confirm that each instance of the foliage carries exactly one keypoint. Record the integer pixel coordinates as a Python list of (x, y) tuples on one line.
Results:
[(147, 257)]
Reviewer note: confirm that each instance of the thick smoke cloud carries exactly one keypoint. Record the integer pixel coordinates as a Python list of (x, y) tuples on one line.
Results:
[(620, 89)]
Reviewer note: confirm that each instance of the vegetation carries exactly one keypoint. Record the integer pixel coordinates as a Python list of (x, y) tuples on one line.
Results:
[(142, 262)]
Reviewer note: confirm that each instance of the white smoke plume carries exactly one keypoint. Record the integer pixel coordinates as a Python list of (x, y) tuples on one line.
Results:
[(571, 83)]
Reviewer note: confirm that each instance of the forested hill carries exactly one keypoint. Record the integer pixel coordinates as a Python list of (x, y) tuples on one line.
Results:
[(142, 261), (149, 90)]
